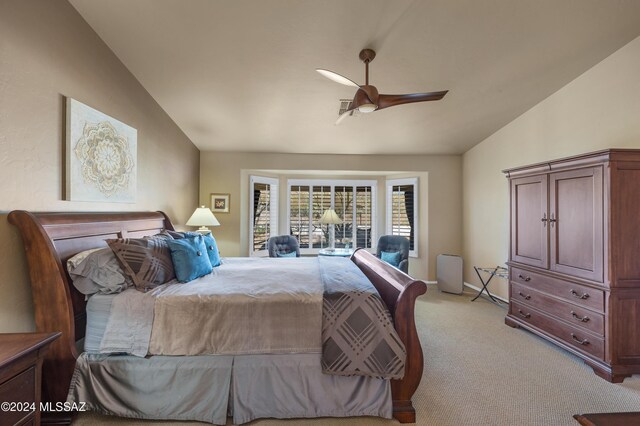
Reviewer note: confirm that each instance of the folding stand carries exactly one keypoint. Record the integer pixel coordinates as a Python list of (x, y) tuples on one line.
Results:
[(497, 271)]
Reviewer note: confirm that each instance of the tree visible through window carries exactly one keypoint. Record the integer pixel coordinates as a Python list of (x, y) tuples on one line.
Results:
[(402, 210), (353, 201), (264, 212)]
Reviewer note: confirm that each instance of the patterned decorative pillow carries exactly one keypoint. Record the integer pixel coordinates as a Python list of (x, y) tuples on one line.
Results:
[(147, 261), (175, 235)]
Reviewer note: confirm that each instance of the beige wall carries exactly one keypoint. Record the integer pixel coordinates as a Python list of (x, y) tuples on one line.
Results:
[(599, 109), (48, 52), (440, 194)]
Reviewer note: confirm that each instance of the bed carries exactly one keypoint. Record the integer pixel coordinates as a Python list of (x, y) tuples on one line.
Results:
[(52, 238)]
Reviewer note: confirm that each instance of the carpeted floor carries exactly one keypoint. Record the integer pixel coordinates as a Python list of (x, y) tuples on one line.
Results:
[(478, 371)]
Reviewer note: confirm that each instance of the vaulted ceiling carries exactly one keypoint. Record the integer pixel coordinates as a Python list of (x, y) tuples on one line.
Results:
[(239, 75)]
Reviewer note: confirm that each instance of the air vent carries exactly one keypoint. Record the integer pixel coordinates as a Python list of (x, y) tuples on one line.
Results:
[(344, 106)]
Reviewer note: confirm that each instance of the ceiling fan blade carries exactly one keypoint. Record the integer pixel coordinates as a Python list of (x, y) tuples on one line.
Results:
[(337, 77), (386, 101)]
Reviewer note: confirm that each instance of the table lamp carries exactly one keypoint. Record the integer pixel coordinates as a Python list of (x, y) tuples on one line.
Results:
[(203, 217), (330, 217)]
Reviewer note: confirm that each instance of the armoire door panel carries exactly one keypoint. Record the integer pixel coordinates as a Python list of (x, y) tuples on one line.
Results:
[(575, 223), (529, 238)]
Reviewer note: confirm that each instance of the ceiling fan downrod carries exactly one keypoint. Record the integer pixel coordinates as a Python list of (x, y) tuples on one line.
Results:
[(366, 56)]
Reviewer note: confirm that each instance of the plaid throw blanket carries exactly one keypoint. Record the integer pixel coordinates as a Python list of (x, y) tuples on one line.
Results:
[(358, 337)]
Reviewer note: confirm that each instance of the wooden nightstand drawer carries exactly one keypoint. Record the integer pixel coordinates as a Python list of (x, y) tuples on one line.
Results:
[(21, 357), (21, 391)]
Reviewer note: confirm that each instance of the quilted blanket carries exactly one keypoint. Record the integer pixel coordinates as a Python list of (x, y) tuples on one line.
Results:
[(253, 306), (358, 337)]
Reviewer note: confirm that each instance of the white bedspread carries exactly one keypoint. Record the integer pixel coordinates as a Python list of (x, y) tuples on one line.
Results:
[(246, 306)]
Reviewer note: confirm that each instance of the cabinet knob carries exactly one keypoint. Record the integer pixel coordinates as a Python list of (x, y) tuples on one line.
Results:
[(579, 341), (523, 314), (579, 296), (526, 296), (579, 318)]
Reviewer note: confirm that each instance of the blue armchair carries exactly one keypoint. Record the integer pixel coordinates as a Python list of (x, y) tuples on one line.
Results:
[(283, 246), (395, 243)]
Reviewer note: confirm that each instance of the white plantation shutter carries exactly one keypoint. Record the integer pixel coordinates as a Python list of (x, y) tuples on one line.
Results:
[(353, 200)]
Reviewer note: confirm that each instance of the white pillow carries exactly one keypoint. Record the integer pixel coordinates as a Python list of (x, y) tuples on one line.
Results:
[(97, 271)]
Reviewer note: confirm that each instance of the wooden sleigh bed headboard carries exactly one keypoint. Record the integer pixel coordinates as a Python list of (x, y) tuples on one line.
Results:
[(50, 239)]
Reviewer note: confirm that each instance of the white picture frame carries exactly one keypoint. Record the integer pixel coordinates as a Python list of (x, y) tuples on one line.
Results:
[(220, 203)]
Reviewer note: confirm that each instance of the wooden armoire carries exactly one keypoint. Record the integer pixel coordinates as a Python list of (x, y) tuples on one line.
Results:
[(574, 259)]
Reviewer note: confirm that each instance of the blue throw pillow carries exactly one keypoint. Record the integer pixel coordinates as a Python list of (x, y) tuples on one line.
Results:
[(212, 249), (292, 254), (190, 259), (391, 257)]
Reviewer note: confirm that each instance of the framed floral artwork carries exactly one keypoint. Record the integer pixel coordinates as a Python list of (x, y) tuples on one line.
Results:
[(101, 156), (220, 203)]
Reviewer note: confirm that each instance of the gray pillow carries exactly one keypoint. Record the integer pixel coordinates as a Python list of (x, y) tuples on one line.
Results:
[(97, 271)]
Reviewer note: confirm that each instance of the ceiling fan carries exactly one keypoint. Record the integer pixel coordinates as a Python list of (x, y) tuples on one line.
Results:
[(367, 98)]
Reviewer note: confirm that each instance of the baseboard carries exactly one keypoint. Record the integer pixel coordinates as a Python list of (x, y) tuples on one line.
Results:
[(473, 287)]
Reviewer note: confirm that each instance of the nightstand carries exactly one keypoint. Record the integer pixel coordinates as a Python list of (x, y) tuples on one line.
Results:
[(21, 357)]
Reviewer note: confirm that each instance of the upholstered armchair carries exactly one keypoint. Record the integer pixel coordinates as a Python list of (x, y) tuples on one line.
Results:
[(283, 246), (392, 244)]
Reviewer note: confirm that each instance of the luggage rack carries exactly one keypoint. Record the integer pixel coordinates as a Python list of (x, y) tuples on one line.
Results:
[(498, 271)]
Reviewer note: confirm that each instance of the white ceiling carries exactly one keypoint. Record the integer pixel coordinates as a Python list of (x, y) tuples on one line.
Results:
[(239, 75)]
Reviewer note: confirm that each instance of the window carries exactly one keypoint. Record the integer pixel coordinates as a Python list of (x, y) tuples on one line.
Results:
[(402, 210), (263, 213), (353, 201)]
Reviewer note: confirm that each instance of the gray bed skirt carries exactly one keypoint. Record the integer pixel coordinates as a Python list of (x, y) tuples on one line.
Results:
[(208, 388)]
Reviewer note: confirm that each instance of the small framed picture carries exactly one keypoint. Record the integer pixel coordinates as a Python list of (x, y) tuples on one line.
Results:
[(220, 203)]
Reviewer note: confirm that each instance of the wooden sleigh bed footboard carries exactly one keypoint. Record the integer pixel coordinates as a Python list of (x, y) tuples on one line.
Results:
[(50, 239), (399, 292)]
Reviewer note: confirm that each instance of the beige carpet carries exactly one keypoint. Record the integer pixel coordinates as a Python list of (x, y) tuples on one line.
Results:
[(478, 371)]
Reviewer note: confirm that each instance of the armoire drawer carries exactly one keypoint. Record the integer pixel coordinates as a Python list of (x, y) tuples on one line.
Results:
[(574, 336), (578, 294), (573, 314)]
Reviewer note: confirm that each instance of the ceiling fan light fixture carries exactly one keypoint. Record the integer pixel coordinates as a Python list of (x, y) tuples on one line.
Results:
[(365, 108)]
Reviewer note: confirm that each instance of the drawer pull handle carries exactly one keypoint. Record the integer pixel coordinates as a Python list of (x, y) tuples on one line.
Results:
[(522, 277), (576, 339), (523, 314), (580, 296), (526, 296), (579, 318)]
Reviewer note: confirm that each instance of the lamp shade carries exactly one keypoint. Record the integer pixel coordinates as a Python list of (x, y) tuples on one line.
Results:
[(203, 217), (331, 217)]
